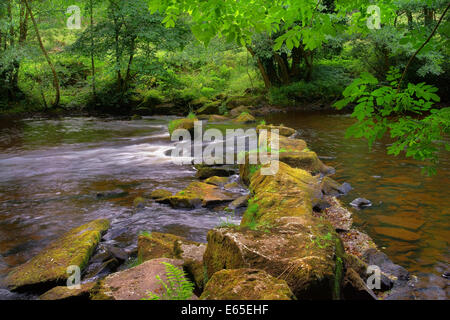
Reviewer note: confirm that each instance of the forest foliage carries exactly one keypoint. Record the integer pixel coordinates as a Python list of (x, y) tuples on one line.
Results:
[(385, 60)]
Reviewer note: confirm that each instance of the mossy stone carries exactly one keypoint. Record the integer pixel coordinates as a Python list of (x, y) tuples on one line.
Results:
[(246, 284), (160, 193), (49, 267)]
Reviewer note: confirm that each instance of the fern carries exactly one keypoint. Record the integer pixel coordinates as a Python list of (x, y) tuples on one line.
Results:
[(177, 286)]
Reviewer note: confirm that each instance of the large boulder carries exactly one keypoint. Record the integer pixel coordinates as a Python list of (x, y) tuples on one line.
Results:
[(288, 192), (246, 284), (198, 194), (303, 251), (164, 245), (134, 283), (49, 268)]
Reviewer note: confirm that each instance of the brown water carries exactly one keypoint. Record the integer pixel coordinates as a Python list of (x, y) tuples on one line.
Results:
[(52, 170), (410, 215)]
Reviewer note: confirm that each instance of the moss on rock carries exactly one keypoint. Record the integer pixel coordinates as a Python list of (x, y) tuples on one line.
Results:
[(198, 194), (160, 193), (303, 251), (246, 284), (204, 171), (217, 181), (164, 245), (66, 293), (134, 283), (288, 192), (217, 118), (210, 108), (185, 123), (244, 118), (49, 267)]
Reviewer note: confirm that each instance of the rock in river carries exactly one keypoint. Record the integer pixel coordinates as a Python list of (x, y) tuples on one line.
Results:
[(198, 194), (165, 245), (160, 193), (134, 283), (49, 267), (303, 251), (361, 203), (246, 284), (66, 293)]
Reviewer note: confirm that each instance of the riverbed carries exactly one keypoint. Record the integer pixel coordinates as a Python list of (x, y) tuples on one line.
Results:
[(58, 174)]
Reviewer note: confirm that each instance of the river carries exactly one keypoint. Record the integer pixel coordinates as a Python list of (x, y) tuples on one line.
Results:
[(53, 171)]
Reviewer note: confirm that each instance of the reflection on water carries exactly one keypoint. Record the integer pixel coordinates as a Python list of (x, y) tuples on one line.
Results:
[(410, 215)]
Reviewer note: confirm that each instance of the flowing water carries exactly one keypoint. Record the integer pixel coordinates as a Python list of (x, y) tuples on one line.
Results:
[(53, 171)]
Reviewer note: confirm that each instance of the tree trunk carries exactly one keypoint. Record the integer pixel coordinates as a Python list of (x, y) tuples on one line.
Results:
[(49, 61), (297, 55), (410, 19), (23, 33), (94, 91), (130, 62), (263, 72), (428, 16), (283, 69)]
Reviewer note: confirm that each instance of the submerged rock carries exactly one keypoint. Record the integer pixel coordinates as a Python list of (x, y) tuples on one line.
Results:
[(303, 251), (139, 202), (117, 193), (246, 284), (66, 293), (49, 267), (198, 194), (361, 203), (134, 283)]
